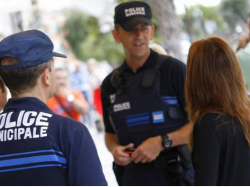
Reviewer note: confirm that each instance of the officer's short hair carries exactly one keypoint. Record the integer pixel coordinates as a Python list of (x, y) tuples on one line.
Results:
[(23, 57), (20, 80)]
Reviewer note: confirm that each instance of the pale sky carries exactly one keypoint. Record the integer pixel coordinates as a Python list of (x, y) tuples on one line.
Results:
[(179, 4), (13, 5), (102, 9)]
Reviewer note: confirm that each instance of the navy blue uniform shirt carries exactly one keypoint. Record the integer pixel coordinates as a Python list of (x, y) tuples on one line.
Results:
[(135, 114), (172, 77), (39, 147)]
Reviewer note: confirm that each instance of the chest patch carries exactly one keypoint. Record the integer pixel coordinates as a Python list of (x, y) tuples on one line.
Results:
[(158, 117), (122, 106)]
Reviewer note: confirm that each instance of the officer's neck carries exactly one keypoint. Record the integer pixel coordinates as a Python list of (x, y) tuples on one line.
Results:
[(135, 62), (35, 92)]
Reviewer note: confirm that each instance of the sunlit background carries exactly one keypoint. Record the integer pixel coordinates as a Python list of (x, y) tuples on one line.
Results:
[(81, 29)]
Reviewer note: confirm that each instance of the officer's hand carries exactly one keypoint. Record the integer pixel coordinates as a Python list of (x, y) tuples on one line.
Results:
[(120, 157), (148, 150), (243, 41)]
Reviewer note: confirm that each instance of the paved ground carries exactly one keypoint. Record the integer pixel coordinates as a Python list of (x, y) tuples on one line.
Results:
[(105, 156)]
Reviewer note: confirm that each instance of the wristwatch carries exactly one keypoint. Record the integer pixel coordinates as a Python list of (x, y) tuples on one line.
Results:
[(166, 141)]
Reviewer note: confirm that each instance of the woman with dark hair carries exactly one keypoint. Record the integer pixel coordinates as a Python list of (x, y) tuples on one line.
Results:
[(218, 104)]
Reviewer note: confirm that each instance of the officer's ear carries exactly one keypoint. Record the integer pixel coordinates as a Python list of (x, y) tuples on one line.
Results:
[(46, 77), (115, 33)]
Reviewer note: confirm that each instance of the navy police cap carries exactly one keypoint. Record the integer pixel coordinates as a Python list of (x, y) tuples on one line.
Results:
[(130, 14), (31, 48)]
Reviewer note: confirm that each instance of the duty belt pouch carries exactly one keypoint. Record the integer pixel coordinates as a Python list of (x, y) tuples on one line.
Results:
[(180, 164)]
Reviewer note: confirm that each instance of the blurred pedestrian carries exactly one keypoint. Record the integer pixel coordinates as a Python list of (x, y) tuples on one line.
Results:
[(243, 54), (158, 48), (67, 101)]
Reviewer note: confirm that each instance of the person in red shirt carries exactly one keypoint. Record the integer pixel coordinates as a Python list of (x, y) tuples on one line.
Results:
[(66, 101)]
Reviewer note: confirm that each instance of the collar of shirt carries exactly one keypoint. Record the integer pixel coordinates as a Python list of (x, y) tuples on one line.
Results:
[(25, 102), (149, 63)]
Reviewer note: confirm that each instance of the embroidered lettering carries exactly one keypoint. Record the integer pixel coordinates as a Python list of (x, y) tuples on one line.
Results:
[(122, 106), (134, 11)]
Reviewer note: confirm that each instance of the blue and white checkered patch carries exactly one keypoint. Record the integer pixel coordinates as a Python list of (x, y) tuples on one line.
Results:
[(158, 117)]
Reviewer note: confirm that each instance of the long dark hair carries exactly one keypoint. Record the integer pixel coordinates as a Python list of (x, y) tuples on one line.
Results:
[(215, 83)]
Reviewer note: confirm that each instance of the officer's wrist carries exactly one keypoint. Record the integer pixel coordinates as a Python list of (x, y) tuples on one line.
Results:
[(166, 141), (159, 139), (170, 135)]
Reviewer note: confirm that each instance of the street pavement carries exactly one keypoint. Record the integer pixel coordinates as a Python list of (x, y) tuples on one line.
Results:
[(104, 155)]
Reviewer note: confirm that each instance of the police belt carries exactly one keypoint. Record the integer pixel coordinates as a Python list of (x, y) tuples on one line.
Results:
[(166, 159)]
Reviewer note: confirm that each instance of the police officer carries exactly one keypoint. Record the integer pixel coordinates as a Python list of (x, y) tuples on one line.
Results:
[(37, 146), (143, 103)]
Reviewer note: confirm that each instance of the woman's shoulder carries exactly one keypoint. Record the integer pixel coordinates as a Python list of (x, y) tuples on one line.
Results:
[(217, 121), (215, 117)]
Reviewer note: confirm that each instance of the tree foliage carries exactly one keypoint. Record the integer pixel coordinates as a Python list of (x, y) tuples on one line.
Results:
[(196, 21), (234, 11), (169, 26), (76, 30), (86, 40)]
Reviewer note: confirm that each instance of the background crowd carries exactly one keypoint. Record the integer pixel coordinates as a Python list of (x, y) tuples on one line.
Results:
[(83, 33)]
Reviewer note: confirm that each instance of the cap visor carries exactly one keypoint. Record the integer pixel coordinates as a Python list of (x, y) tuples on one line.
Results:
[(59, 55), (131, 23)]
